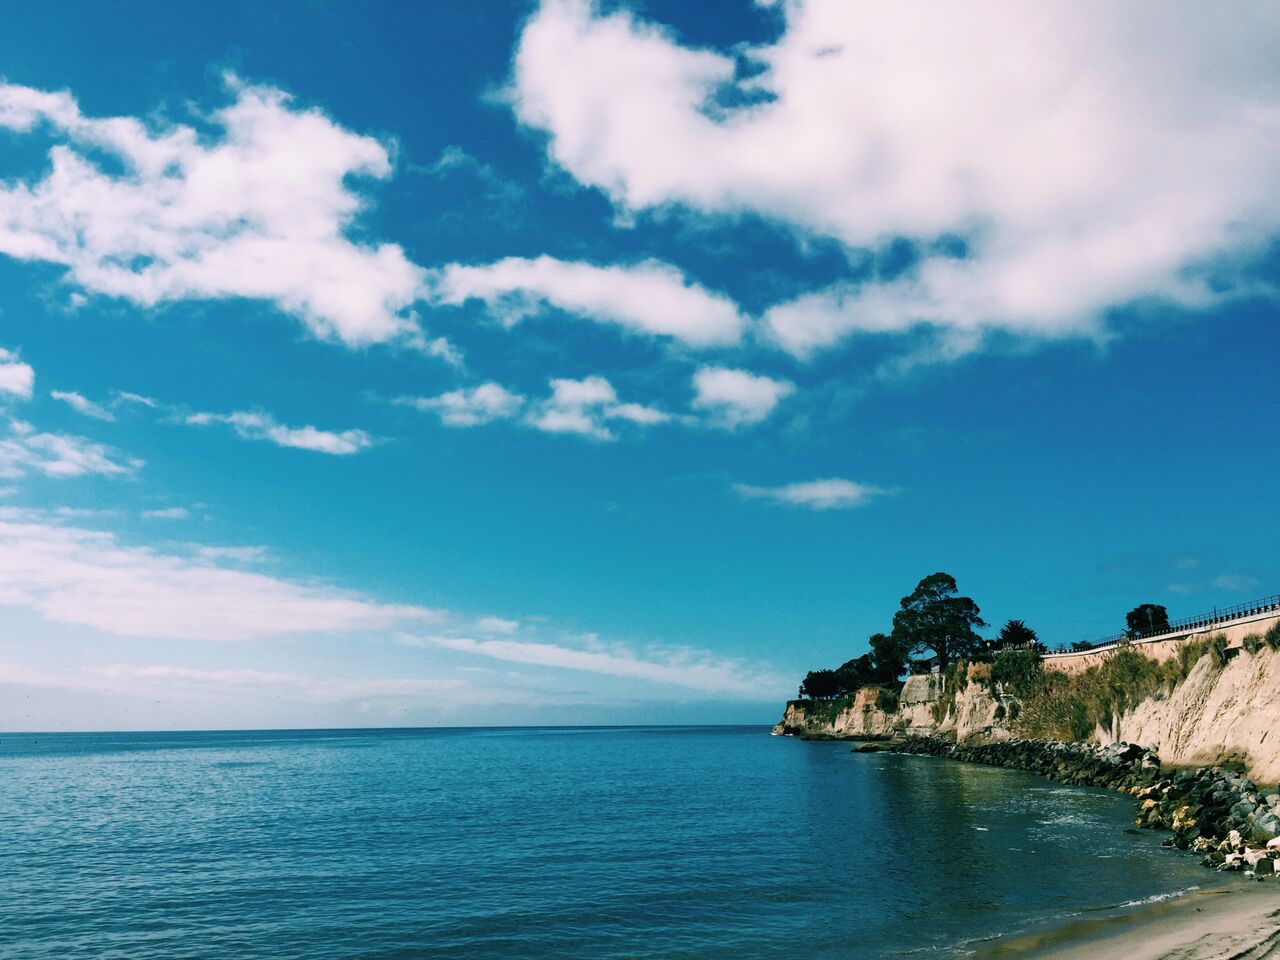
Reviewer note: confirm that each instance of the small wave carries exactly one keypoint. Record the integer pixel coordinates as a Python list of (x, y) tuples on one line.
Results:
[(1159, 897)]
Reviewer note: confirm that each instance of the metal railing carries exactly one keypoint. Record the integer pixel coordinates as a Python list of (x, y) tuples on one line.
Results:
[(1188, 624)]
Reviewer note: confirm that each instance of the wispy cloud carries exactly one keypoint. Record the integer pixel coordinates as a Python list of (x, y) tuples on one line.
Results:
[(678, 667), (74, 575), (82, 404), (248, 554), (833, 493), (27, 450), (649, 297), (166, 513), (255, 425)]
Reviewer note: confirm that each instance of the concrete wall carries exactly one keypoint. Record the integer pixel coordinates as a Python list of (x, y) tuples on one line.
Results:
[(1165, 647)]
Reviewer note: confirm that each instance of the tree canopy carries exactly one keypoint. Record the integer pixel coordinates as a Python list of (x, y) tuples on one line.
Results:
[(1146, 618), (934, 617), (1016, 633), (883, 665)]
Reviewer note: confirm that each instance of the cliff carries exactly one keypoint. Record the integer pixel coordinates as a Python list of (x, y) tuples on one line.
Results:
[(924, 708), (1228, 713), (1220, 712)]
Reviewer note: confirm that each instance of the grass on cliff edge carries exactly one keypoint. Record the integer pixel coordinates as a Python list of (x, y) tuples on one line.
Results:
[(1061, 706)]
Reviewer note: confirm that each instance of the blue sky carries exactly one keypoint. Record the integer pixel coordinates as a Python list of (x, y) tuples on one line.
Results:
[(560, 363)]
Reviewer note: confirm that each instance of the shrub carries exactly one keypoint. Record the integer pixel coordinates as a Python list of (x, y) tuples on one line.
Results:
[(1253, 643), (954, 679), (1188, 656), (887, 700), (1016, 671), (1272, 636), (1218, 649), (1063, 706)]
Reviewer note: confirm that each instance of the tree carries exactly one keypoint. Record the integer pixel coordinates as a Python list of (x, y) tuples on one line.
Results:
[(1016, 634), (1146, 618), (856, 673), (889, 656), (934, 618), (820, 685)]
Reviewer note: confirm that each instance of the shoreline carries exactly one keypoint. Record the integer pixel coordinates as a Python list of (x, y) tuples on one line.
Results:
[(1237, 920), (1233, 919)]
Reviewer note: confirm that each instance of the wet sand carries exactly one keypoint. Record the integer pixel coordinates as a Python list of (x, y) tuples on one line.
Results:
[(1239, 921)]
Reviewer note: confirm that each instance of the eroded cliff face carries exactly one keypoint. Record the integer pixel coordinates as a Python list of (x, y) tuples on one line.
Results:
[(1228, 713), (1217, 714), (860, 718), (971, 714)]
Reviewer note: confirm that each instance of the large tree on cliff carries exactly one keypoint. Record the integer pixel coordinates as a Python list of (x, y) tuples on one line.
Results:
[(933, 617), (820, 685), (1146, 618)]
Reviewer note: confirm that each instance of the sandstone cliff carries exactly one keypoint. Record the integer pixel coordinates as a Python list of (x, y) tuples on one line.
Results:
[(924, 709), (1220, 713)]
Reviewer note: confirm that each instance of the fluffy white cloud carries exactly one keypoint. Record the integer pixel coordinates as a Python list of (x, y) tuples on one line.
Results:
[(27, 450), (649, 297), (261, 211), (584, 407), (676, 667), (833, 493), (16, 378), (82, 404), (1087, 154), (736, 398), (469, 407), (262, 426), (79, 576)]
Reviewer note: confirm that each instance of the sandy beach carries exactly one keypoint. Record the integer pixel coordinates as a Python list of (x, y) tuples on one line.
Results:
[(1239, 920)]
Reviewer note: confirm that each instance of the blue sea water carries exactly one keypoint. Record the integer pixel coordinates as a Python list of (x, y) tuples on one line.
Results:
[(666, 842)]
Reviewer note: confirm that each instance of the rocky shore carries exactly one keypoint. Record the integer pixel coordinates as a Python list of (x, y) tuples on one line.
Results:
[(1211, 810)]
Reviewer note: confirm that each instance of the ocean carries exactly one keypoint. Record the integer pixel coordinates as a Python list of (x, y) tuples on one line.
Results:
[(695, 842)]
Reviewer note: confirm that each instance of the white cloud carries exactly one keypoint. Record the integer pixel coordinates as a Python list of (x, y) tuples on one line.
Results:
[(585, 406), (82, 404), (833, 493), (1088, 154), (262, 426), (648, 297), (124, 396), (469, 407), (496, 625), (736, 398), (307, 686), (16, 378), (261, 211), (1234, 582), (675, 667), (78, 576), (249, 554), (26, 450), (167, 513)]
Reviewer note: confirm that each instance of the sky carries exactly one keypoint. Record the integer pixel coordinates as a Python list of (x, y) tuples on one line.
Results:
[(567, 362)]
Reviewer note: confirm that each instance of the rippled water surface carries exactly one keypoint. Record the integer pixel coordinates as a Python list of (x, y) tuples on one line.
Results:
[(564, 843)]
